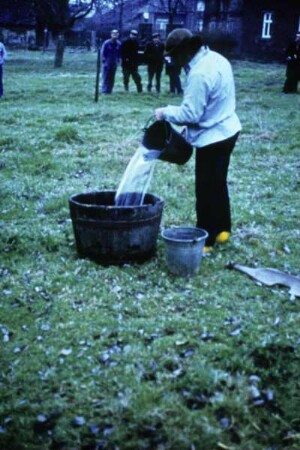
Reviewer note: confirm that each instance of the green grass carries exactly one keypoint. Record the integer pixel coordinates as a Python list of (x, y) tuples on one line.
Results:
[(133, 357)]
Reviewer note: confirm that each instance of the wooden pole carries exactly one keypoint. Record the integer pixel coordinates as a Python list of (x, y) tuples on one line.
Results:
[(98, 74), (59, 52)]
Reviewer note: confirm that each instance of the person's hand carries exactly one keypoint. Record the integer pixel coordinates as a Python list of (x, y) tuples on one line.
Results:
[(159, 113)]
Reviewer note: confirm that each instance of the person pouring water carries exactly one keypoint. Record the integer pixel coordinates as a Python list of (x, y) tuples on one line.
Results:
[(211, 125)]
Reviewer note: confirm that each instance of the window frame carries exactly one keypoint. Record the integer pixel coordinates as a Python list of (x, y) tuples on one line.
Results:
[(267, 24), (161, 24), (200, 6), (200, 24)]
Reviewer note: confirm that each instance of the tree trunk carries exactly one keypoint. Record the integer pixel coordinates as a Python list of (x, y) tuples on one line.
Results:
[(121, 17), (98, 74), (59, 53)]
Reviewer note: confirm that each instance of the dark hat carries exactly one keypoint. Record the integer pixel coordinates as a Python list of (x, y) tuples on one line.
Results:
[(134, 32), (114, 31), (176, 39), (155, 35)]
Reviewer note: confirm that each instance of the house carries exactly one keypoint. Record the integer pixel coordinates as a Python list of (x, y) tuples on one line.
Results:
[(268, 26), (256, 29), (147, 16), (261, 29)]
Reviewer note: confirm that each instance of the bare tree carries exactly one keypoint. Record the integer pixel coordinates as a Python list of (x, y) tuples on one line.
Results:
[(118, 7), (59, 16), (172, 8)]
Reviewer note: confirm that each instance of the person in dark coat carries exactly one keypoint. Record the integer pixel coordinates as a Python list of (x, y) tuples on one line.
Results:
[(293, 67), (3, 56), (130, 61), (173, 71), (154, 57), (110, 58)]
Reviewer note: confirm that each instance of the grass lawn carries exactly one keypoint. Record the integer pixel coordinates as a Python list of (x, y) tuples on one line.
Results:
[(133, 357)]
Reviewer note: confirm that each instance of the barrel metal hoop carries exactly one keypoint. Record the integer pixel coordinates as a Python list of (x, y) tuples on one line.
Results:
[(118, 224)]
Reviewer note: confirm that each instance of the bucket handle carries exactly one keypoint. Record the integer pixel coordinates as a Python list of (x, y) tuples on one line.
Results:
[(148, 122)]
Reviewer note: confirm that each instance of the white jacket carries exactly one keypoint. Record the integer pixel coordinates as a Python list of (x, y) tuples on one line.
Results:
[(208, 106)]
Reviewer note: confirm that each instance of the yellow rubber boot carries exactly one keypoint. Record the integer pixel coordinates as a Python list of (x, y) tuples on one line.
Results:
[(223, 237)]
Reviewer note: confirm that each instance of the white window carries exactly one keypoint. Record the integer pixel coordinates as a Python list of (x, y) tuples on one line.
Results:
[(266, 27), (201, 6), (200, 25), (161, 24), (200, 10)]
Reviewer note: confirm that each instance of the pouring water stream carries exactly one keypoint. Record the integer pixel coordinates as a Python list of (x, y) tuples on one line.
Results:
[(137, 177)]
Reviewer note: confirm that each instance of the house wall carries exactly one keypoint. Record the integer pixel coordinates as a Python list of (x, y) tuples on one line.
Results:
[(285, 16), (233, 27), (223, 26), (242, 21)]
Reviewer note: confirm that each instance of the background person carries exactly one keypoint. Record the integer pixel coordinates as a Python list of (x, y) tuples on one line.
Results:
[(211, 125), (3, 56), (154, 57), (173, 71), (130, 61), (293, 67), (110, 58)]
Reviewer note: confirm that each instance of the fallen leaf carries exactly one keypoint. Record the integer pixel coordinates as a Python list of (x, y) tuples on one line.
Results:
[(41, 418), (224, 447), (182, 342), (225, 422), (254, 392), (276, 321), (254, 379), (207, 336), (65, 351), (78, 421), (187, 352), (235, 332)]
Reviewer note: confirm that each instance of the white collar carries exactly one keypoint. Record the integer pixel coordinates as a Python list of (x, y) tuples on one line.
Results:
[(199, 55)]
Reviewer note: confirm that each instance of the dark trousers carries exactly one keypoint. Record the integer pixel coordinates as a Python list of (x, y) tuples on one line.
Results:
[(291, 84), (292, 78), (154, 70), (1, 80), (133, 71), (174, 78), (212, 198), (175, 83), (108, 78)]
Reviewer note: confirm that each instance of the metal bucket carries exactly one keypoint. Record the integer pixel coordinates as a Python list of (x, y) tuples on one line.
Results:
[(184, 247), (172, 145), (112, 234)]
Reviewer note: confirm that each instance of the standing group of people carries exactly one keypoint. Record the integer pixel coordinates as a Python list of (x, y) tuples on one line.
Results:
[(114, 53)]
